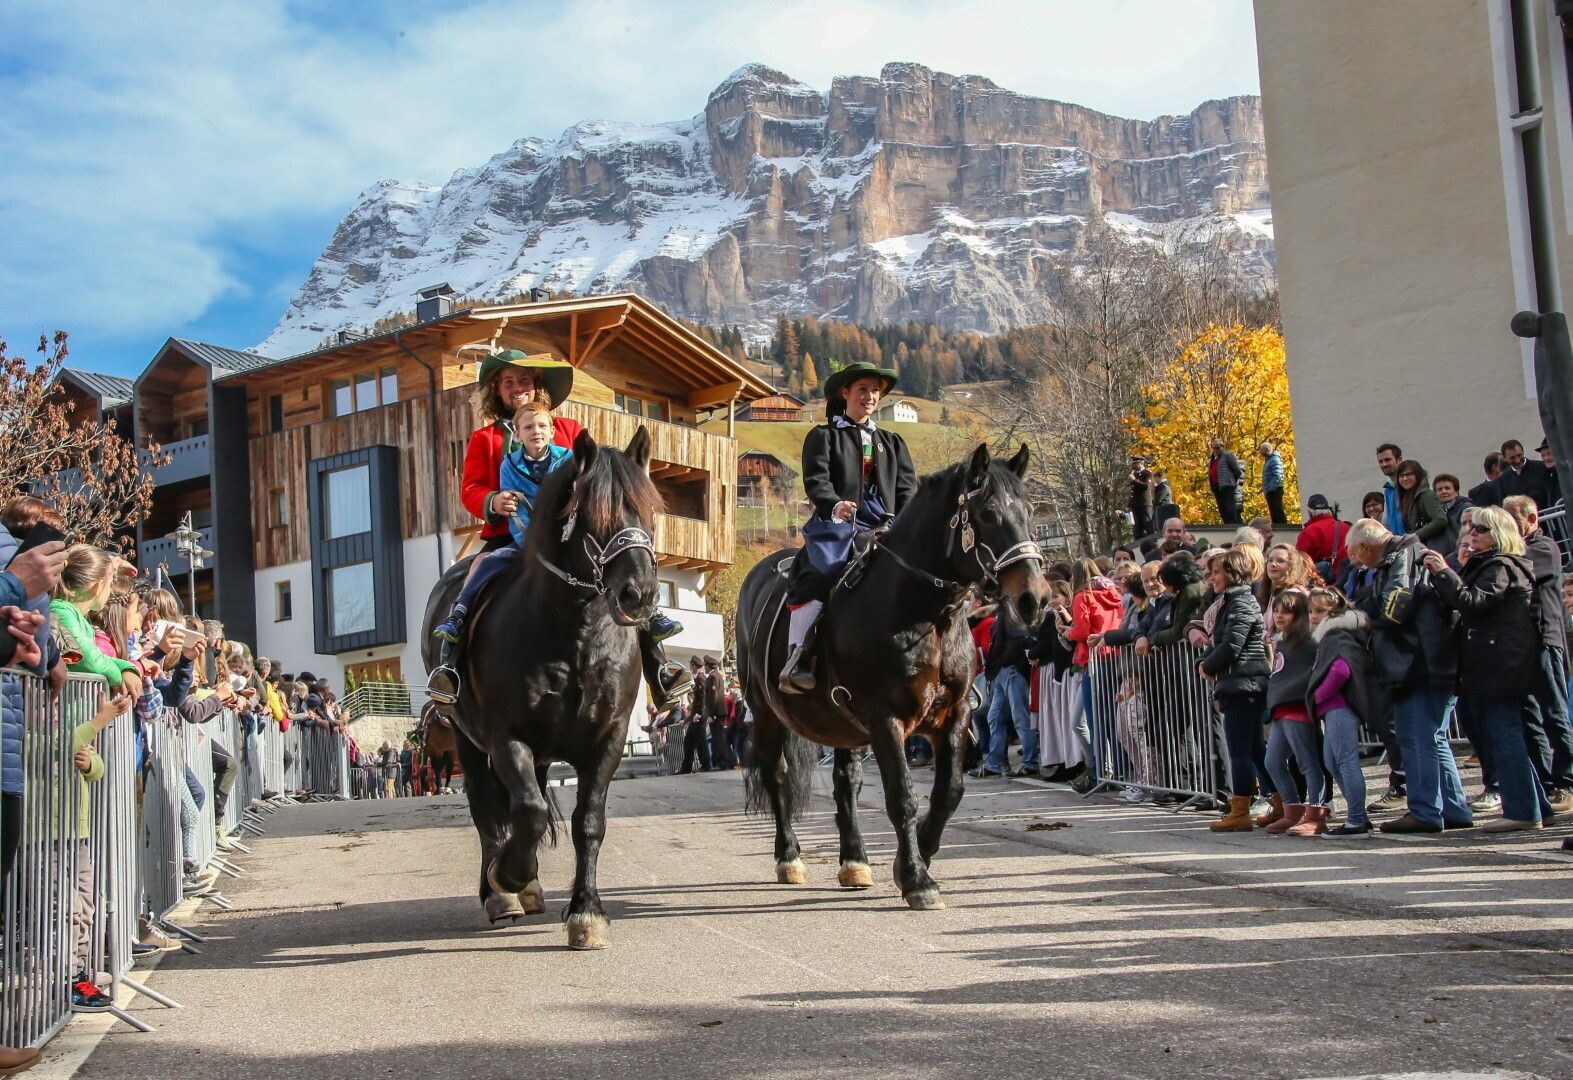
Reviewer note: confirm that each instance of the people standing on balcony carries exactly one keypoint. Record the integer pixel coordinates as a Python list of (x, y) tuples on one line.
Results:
[(1273, 483), (1223, 478), (505, 382), (858, 476)]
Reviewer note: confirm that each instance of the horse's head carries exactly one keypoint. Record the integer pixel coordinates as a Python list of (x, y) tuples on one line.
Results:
[(992, 541), (602, 532)]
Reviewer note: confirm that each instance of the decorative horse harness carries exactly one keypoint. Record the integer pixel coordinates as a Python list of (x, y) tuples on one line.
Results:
[(622, 542)]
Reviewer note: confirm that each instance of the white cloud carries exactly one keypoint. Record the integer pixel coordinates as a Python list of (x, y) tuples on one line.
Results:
[(140, 136)]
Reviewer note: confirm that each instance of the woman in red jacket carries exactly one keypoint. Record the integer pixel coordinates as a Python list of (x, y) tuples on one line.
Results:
[(1095, 610), (507, 380)]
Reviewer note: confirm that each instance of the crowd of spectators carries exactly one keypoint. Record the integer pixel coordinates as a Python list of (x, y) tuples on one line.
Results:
[(709, 728), (1439, 617), (79, 609)]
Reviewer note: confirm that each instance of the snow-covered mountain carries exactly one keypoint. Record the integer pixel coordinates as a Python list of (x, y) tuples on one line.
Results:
[(916, 195)]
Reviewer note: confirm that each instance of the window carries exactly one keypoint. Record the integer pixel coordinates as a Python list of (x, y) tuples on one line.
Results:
[(351, 604), (276, 413), (364, 390), (195, 429), (283, 602), (666, 594), (635, 406), (278, 508), (346, 502)]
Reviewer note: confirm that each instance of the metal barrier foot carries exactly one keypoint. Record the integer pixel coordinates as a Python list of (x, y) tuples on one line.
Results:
[(181, 931), (151, 995), (124, 1017)]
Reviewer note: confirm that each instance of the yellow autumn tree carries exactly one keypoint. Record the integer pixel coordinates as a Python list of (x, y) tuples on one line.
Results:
[(1228, 382)]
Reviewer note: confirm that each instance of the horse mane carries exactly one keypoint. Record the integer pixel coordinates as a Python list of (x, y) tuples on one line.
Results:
[(938, 490), (611, 482)]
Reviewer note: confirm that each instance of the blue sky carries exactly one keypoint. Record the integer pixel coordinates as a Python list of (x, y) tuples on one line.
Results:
[(175, 168)]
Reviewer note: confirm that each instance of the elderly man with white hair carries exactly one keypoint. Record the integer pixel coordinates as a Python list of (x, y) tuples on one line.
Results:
[(1415, 657)]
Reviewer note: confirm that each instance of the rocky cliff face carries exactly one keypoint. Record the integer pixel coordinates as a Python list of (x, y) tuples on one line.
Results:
[(916, 195)]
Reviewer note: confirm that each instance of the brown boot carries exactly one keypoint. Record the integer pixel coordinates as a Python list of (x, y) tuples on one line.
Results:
[(1312, 823), (1272, 815), (15, 1061), (1238, 818)]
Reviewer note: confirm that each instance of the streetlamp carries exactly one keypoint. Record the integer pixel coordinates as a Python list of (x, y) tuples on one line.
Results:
[(188, 543)]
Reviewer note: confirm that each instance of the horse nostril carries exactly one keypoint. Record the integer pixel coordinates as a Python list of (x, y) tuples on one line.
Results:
[(631, 597)]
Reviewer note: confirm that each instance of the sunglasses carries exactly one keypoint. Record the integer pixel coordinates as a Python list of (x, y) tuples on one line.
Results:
[(1481, 529)]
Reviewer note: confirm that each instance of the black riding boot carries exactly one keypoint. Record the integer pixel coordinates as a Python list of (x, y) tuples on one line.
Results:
[(667, 679)]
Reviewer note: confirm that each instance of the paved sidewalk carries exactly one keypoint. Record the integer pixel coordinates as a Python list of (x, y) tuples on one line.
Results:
[(1128, 943)]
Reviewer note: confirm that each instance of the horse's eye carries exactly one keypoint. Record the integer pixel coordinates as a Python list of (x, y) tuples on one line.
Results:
[(988, 517)]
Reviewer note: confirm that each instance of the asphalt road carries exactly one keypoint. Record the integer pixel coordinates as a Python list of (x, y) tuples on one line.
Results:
[(1082, 938)]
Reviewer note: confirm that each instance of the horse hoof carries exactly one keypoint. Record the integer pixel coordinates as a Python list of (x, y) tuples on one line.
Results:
[(589, 932), (503, 907), (924, 900), (792, 873), (855, 875), (533, 898)]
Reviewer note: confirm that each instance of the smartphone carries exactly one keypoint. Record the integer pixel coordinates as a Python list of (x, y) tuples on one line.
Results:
[(41, 533)]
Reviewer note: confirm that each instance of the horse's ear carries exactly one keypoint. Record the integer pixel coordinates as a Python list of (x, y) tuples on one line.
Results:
[(584, 451), (978, 469), (1018, 464), (639, 448)]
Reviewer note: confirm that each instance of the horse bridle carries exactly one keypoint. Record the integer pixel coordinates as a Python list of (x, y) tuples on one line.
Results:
[(622, 542), (971, 544)]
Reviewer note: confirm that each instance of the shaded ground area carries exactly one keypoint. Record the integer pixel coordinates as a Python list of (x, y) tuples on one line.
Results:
[(1126, 942)]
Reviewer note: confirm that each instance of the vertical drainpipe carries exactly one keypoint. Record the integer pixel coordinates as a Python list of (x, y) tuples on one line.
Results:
[(731, 417), (437, 486)]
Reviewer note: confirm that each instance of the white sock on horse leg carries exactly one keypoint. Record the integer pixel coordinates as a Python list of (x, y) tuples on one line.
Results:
[(800, 620)]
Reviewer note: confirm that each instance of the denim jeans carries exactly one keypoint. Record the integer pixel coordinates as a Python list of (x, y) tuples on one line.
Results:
[(1523, 799), (1010, 695), (980, 717), (1436, 794), (1242, 734), (1341, 755), (1292, 737)]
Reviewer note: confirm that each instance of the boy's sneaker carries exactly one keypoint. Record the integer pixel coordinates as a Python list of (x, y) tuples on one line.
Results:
[(451, 629), (1132, 795), (87, 997), (662, 627)]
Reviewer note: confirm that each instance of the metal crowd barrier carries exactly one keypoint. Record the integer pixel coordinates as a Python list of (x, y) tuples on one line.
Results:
[(72, 904), (1152, 726), (1555, 522)]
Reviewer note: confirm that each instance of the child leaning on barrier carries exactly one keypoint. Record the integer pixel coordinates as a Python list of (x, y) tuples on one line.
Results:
[(1293, 733), (85, 994), (1336, 694)]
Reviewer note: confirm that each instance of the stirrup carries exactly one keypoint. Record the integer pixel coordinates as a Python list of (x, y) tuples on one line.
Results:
[(439, 695), (797, 677)]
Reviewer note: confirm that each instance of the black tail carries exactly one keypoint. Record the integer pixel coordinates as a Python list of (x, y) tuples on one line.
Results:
[(797, 760)]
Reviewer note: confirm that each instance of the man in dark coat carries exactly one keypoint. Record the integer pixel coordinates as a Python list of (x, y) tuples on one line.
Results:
[(858, 477), (1223, 477), (1520, 476), (1548, 458), (1489, 492)]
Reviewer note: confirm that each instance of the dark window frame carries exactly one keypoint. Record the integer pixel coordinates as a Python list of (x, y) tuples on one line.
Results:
[(382, 546)]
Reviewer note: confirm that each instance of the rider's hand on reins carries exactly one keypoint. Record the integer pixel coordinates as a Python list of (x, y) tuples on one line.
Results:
[(844, 510)]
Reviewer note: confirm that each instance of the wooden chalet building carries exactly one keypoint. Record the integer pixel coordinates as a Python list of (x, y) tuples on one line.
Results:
[(327, 484), (756, 471), (776, 409)]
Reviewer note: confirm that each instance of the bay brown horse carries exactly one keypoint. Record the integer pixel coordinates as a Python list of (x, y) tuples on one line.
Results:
[(895, 659), (549, 671)]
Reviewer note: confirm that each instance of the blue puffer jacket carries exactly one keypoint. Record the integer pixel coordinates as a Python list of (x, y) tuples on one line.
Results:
[(11, 727)]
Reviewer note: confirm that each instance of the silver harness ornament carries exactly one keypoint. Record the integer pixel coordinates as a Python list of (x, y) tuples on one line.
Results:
[(622, 542)]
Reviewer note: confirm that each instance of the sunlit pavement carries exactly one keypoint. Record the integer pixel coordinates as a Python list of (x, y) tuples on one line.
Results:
[(1082, 937)]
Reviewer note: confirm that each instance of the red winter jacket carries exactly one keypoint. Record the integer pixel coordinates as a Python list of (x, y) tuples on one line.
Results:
[(982, 636), (1093, 611), (1317, 539), (483, 465)]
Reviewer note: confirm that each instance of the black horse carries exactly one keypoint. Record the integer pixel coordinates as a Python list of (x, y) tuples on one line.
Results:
[(895, 659), (549, 672)]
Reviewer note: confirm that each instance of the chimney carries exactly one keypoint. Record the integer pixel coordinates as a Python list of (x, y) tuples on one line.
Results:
[(539, 295), (434, 302), (345, 337)]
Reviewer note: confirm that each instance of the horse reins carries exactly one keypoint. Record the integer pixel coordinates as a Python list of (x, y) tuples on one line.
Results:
[(971, 544), (622, 542)]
